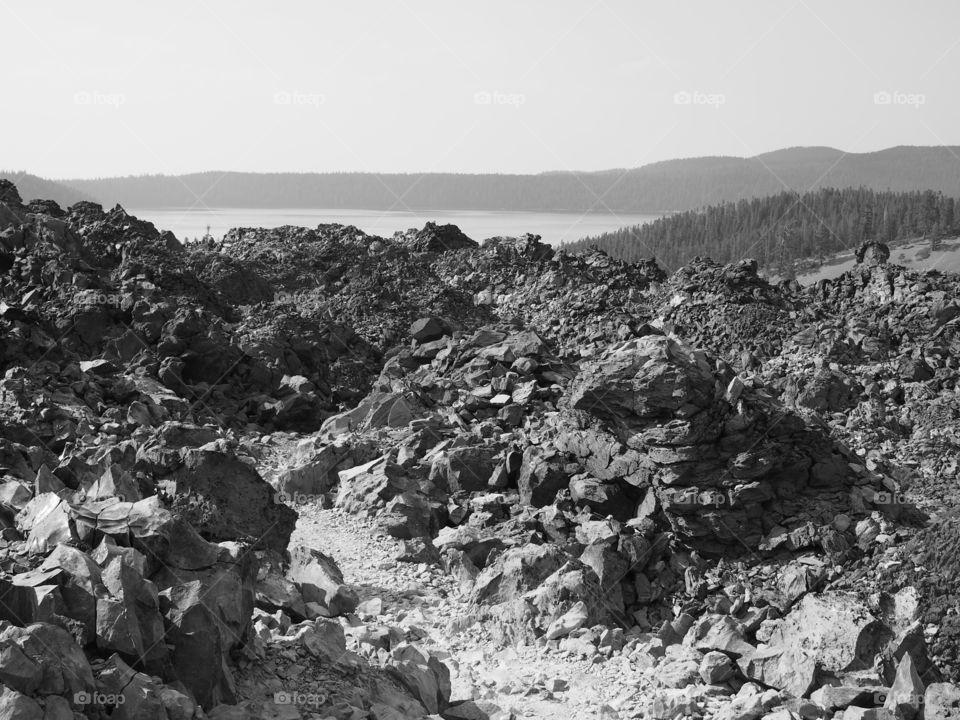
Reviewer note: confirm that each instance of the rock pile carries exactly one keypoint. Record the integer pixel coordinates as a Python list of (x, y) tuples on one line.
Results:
[(741, 490)]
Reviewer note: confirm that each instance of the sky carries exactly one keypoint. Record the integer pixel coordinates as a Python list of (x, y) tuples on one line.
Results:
[(117, 88)]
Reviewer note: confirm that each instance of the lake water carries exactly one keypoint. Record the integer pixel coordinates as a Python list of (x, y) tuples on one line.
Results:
[(552, 227)]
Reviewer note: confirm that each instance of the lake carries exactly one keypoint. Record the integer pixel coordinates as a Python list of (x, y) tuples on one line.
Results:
[(552, 227)]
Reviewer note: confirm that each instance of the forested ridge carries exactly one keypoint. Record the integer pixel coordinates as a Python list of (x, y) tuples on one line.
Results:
[(781, 229), (662, 187), (32, 187)]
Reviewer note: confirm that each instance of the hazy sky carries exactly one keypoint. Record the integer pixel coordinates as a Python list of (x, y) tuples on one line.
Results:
[(106, 88)]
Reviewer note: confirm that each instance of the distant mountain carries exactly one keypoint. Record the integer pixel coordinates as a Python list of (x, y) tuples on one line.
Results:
[(32, 187), (656, 188)]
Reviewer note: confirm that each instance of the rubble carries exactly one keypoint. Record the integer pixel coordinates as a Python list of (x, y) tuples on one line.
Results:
[(732, 497)]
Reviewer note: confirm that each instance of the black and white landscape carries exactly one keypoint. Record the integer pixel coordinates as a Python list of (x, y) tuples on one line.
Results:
[(344, 379)]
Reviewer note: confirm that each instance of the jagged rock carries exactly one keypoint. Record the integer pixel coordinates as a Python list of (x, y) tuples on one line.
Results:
[(46, 519), (723, 471), (316, 476), (366, 487), (716, 667), (838, 697), (464, 469), (722, 633), (141, 696), (907, 692), (834, 630), (542, 475), (129, 620), (516, 572), (942, 700), (321, 581), (410, 516), (790, 669), (573, 619), (437, 238), (427, 330), (603, 498), (225, 499), (872, 253), (17, 705), (61, 667), (200, 645), (424, 675)]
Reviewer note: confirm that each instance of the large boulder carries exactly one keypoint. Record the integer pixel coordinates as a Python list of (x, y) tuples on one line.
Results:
[(207, 615), (942, 700), (543, 473), (835, 630), (515, 572), (641, 380), (57, 664), (464, 468), (368, 488), (226, 499), (315, 476), (423, 674)]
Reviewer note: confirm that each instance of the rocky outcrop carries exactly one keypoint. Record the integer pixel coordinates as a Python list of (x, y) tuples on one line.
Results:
[(727, 462)]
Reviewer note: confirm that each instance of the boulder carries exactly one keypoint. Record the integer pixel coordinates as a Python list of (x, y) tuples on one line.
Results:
[(789, 669), (139, 696), (542, 475), (428, 329), (906, 696), (716, 668), (515, 572), (57, 664), (464, 469), (425, 676), (315, 476), (321, 581), (226, 499), (942, 700), (834, 630)]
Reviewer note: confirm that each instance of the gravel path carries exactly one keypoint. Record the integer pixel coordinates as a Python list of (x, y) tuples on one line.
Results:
[(516, 678)]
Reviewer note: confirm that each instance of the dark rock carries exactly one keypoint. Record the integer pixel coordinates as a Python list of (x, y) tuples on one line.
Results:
[(224, 499)]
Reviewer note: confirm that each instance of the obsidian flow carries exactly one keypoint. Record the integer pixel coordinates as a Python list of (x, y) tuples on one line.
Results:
[(742, 487)]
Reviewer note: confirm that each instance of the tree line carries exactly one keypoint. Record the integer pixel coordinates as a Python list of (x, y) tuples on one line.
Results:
[(780, 230)]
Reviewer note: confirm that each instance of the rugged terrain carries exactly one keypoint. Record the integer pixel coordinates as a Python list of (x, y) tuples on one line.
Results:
[(315, 473)]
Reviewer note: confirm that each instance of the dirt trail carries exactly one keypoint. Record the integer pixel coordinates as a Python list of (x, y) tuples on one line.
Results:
[(514, 678)]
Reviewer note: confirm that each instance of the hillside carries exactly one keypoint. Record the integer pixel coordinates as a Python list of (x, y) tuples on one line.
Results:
[(656, 188), (785, 230), (32, 187)]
